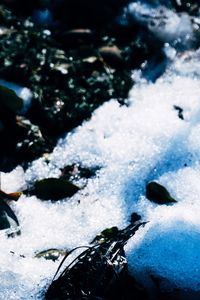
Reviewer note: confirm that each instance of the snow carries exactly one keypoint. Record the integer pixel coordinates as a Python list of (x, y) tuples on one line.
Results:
[(166, 25), (131, 145)]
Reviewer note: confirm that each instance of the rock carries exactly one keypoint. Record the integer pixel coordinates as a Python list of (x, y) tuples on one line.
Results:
[(23, 93), (9, 99)]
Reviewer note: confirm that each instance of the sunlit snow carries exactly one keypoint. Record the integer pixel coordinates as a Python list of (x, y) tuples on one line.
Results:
[(131, 145)]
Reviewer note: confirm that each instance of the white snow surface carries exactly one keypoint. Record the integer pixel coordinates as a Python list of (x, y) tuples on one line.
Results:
[(167, 25), (132, 145)]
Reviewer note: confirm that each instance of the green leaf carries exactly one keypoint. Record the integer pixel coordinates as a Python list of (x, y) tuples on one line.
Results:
[(159, 194), (54, 189)]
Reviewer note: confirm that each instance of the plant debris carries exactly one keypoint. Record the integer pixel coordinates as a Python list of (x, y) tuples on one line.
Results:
[(10, 196), (99, 272), (51, 254), (157, 193), (180, 111), (8, 220), (53, 189)]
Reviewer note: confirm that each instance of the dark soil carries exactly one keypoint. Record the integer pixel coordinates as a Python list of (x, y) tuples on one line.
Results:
[(72, 65)]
